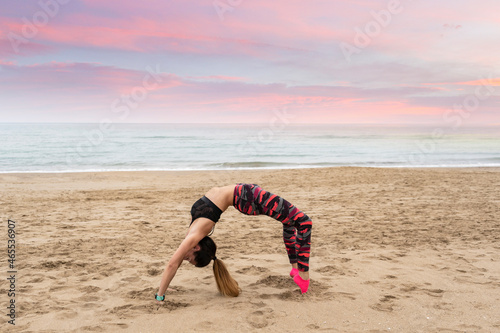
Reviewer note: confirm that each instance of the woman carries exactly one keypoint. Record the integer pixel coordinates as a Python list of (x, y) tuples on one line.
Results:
[(250, 199)]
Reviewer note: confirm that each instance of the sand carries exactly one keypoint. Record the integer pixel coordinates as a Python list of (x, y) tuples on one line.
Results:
[(399, 250)]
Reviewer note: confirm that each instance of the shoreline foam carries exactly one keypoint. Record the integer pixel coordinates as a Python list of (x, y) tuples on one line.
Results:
[(460, 166)]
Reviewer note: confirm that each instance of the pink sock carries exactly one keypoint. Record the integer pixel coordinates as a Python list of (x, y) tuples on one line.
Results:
[(303, 284), (294, 272)]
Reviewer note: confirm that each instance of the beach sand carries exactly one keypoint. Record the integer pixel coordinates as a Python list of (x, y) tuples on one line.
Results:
[(399, 250)]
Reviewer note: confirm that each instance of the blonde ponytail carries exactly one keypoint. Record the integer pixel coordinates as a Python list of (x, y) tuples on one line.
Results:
[(225, 283)]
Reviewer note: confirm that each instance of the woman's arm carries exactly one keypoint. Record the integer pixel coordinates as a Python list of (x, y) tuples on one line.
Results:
[(199, 229)]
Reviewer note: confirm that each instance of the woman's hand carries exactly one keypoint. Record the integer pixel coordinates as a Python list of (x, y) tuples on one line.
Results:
[(159, 298), (161, 302)]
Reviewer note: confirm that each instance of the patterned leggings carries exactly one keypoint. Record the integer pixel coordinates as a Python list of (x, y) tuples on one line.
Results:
[(251, 199)]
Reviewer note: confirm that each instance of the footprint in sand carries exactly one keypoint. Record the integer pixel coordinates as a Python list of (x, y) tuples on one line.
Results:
[(91, 329), (276, 281), (134, 278), (253, 270), (313, 327), (67, 314), (154, 272), (122, 312), (144, 293), (331, 270), (434, 292), (444, 306), (170, 305), (205, 326), (56, 288), (121, 325), (35, 280), (89, 289), (260, 319), (89, 298), (407, 288), (50, 265), (385, 304), (339, 295)]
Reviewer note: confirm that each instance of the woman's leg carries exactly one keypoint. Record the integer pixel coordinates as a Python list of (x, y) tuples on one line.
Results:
[(304, 226), (289, 238), (296, 225), (251, 199)]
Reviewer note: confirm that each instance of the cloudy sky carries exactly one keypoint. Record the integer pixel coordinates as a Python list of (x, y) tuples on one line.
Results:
[(357, 61)]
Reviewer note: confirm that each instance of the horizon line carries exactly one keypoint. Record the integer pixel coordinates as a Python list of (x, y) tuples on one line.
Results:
[(252, 123)]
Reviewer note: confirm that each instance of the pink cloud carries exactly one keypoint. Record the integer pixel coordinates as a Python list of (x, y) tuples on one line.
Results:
[(13, 43), (216, 78), (491, 82), (486, 81), (91, 84), (199, 31), (142, 35), (82, 79), (79, 87)]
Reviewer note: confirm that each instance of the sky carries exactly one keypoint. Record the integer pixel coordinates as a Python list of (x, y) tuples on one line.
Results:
[(239, 61)]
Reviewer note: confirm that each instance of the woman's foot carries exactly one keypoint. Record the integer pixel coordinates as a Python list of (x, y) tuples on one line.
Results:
[(303, 284), (294, 272)]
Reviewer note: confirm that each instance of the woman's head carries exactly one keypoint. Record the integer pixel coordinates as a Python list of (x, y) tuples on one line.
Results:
[(225, 283), (206, 252)]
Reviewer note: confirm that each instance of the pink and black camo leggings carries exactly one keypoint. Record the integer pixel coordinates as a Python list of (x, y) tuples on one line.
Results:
[(251, 199)]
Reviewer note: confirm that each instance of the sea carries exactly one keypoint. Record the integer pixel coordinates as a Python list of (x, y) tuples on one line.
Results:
[(77, 147)]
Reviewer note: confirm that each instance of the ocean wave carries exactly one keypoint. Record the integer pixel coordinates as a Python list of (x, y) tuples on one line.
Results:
[(249, 166)]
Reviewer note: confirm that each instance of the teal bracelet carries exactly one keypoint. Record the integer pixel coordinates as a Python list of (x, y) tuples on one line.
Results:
[(159, 298)]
